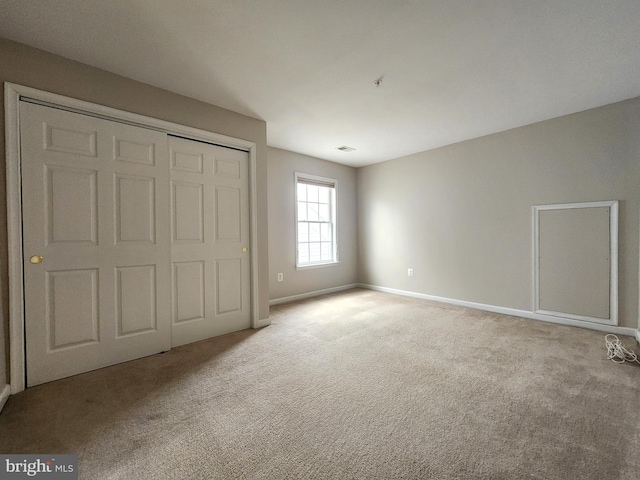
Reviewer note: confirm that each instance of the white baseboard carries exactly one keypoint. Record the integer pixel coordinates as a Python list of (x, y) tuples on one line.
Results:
[(512, 311), (4, 395), (316, 293), (638, 335)]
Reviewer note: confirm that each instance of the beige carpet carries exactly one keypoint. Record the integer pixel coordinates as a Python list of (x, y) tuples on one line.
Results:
[(361, 385)]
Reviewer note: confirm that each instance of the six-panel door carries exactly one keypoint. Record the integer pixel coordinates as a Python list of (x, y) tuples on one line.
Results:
[(99, 209), (210, 229)]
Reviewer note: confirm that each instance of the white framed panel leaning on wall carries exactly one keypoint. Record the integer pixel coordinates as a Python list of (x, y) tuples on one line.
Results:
[(575, 264)]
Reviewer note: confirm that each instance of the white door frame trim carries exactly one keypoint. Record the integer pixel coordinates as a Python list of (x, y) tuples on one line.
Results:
[(13, 93), (613, 267)]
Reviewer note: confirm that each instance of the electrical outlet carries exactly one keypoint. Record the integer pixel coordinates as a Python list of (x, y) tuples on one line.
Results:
[(280, 277), (410, 272)]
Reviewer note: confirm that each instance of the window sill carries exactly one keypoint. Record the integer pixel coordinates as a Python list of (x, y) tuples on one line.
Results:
[(316, 265)]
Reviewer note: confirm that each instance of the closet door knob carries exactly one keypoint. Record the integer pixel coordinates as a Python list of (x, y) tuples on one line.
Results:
[(36, 259)]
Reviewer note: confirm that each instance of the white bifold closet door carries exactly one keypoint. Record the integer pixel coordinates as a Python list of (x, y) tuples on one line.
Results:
[(209, 240), (133, 240), (97, 283)]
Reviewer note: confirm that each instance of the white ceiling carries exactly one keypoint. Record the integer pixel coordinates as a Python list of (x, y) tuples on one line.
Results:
[(452, 69)]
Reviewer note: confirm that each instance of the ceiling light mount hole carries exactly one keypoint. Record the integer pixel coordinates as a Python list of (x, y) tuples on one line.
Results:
[(344, 148)]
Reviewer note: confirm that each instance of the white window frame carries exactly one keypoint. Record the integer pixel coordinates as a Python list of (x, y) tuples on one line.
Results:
[(300, 178)]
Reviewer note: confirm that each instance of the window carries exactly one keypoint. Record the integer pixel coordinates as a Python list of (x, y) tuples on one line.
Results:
[(316, 220)]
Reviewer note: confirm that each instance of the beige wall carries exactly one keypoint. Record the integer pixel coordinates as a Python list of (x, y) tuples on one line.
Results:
[(282, 166), (35, 68), (460, 215)]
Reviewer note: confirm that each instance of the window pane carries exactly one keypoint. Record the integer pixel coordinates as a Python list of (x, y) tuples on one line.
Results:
[(314, 252), (315, 223), (312, 212), (302, 211), (303, 253), (324, 213), (303, 232), (326, 251), (324, 194), (312, 193), (325, 232), (314, 232), (302, 192)]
